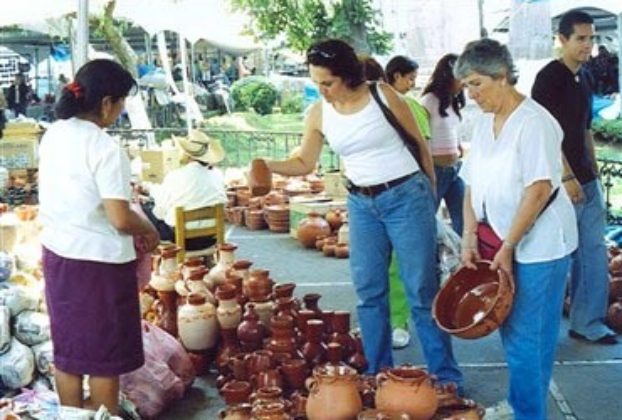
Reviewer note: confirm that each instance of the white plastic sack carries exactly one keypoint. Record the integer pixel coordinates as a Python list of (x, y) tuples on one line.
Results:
[(18, 298), (5, 329), (32, 327), (44, 357), (17, 366), (449, 249)]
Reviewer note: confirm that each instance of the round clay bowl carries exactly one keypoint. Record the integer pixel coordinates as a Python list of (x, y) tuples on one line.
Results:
[(473, 303)]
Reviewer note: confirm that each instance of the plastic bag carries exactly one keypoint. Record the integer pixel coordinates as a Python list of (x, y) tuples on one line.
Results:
[(44, 357), (5, 329), (18, 298), (449, 250), (17, 366), (32, 327)]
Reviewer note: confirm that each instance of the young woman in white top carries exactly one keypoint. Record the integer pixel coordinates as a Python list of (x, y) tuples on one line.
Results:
[(512, 170), (443, 98), (390, 204), (88, 251)]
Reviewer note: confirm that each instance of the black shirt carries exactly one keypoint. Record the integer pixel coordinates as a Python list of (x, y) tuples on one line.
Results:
[(568, 97)]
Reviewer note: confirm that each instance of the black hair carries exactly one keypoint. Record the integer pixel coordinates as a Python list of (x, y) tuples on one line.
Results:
[(571, 18), (92, 83), (338, 57), (441, 84), (399, 64), (372, 69)]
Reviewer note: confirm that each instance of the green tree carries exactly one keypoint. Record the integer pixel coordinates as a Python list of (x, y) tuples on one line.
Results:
[(304, 22)]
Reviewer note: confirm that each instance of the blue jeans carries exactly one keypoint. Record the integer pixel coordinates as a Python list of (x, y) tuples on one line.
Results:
[(589, 281), (450, 187), (401, 218), (530, 332)]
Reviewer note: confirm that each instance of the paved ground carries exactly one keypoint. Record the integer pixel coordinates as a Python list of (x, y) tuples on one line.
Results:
[(586, 382)]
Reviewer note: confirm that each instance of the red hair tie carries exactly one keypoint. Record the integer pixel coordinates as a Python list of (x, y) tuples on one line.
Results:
[(75, 89)]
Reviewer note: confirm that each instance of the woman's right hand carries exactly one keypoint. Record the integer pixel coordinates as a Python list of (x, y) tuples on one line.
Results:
[(150, 240), (470, 254)]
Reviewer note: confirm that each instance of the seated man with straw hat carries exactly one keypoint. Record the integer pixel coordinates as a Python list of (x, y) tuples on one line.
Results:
[(195, 184)]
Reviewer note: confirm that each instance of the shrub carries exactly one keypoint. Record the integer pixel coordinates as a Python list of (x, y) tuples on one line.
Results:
[(608, 130), (292, 103), (254, 92)]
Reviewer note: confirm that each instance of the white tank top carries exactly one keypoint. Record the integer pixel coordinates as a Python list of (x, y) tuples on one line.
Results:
[(371, 149)]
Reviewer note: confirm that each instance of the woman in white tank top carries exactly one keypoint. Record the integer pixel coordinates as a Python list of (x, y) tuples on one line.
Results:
[(390, 205)]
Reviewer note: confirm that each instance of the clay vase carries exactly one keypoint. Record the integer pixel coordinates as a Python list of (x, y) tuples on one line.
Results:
[(259, 285), (304, 315), (272, 411), (286, 306), (167, 264), (406, 389), (314, 350), (284, 290), (189, 265), (341, 333), (166, 312), (258, 361), (333, 394), (264, 310), (229, 347), (236, 392), (358, 360), (242, 268), (194, 284), (259, 178), (197, 323), (614, 316), (226, 258), (267, 379), (236, 412), (238, 367), (266, 395), (615, 287), (310, 228), (228, 312), (282, 339), (294, 373), (334, 354), (334, 218), (250, 331), (311, 303)]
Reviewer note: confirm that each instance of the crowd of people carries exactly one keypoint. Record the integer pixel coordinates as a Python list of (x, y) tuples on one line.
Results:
[(530, 178)]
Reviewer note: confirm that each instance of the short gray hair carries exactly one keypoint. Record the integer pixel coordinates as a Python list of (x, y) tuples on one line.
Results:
[(488, 57)]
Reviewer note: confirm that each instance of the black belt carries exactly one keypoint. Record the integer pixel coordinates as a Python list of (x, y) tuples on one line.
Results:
[(374, 190)]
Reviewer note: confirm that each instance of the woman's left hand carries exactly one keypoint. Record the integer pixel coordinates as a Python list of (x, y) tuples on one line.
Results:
[(503, 259)]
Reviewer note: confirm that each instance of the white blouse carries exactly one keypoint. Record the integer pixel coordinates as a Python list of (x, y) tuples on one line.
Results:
[(497, 170)]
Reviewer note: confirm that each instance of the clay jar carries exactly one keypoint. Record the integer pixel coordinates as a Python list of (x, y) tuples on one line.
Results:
[(282, 339), (311, 303), (236, 392), (267, 379), (264, 309), (342, 251), (408, 390), (284, 290), (259, 178), (271, 411), (614, 316), (341, 333), (228, 348), (334, 218), (236, 412), (197, 323), (333, 394), (258, 361), (229, 312), (259, 285), (250, 331), (330, 244), (294, 373), (310, 228), (226, 258), (166, 312), (266, 395), (314, 350)]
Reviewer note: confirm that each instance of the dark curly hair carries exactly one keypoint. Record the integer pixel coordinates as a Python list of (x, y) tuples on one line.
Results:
[(441, 84), (338, 57)]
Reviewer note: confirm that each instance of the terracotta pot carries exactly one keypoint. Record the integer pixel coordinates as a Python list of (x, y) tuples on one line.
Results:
[(236, 392), (236, 412), (259, 285), (333, 394), (264, 310), (314, 350), (250, 331), (271, 411), (474, 303), (341, 333), (197, 323), (269, 378), (238, 367), (259, 178), (229, 347), (200, 361), (294, 373), (284, 290), (342, 251), (311, 303), (461, 410), (375, 414), (615, 288), (283, 338), (614, 316), (334, 218), (408, 390), (310, 228), (258, 361), (358, 360), (166, 312)]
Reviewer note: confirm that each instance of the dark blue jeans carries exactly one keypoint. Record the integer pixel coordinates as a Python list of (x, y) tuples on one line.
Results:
[(450, 187)]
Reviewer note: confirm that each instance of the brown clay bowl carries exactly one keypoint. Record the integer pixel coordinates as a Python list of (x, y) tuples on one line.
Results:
[(474, 303)]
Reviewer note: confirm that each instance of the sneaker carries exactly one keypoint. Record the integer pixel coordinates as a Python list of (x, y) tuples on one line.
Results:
[(607, 339), (500, 411), (400, 338)]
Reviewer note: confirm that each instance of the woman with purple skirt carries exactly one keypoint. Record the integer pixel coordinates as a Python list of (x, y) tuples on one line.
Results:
[(88, 250)]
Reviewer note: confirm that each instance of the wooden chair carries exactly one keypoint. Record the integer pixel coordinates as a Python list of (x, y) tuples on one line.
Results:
[(182, 231)]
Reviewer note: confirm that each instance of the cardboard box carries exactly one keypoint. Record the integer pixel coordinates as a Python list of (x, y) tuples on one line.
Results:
[(19, 153), (334, 185), (156, 163), (298, 210)]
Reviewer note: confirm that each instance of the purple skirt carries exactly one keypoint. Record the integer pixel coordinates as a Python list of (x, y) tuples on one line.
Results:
[(94, 315)]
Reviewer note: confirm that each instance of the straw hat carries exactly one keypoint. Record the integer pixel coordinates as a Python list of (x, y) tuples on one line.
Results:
[(200, 147)]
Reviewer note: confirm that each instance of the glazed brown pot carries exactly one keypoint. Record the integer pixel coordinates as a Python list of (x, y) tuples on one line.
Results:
[(461, 410), (614, 316), (335, 219), (259, 360), (408, 390), (236, 412), (310, 228), (474, 303), (250, 331), (294, 373), (236, 392), (259, 178)]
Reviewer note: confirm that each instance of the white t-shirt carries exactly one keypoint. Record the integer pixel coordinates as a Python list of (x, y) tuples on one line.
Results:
[(528, 149), (372, 151), (444, 130), (191, 186), (80, 165)]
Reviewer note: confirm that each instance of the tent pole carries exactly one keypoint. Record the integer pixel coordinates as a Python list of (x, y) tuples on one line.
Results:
[(82, 38)]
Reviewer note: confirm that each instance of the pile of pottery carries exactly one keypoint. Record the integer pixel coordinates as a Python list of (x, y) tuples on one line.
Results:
[(614, 314), (328, 234)]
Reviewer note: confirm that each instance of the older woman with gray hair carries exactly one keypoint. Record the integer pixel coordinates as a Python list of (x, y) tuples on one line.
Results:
[(513, 174)]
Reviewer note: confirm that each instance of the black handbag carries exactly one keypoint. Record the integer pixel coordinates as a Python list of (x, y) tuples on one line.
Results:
[(409, 140)]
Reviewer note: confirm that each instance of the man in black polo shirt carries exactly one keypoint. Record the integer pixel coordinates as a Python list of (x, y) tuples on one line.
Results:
[(563, 89)]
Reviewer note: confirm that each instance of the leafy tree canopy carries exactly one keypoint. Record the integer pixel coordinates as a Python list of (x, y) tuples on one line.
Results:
[(304, 22)]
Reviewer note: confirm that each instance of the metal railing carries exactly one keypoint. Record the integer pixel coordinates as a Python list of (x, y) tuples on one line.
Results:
[(611, 177)]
